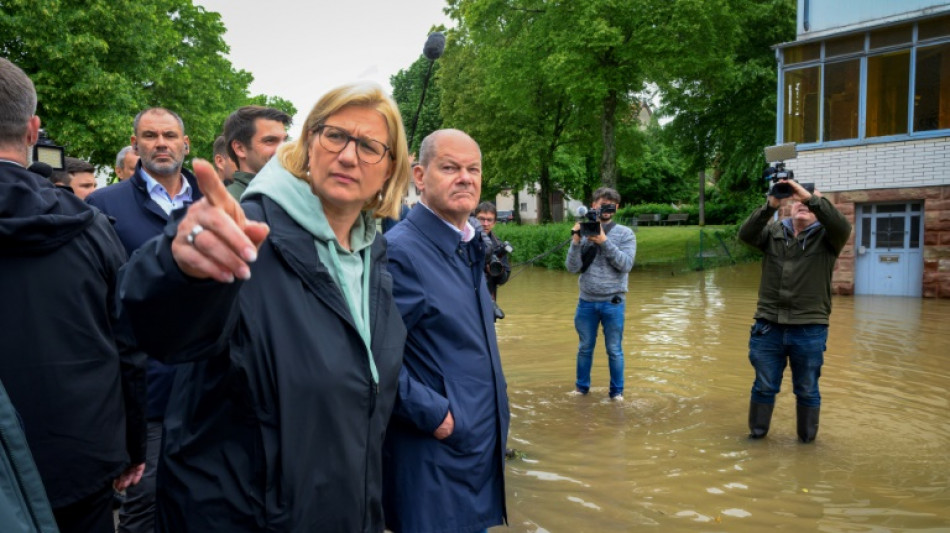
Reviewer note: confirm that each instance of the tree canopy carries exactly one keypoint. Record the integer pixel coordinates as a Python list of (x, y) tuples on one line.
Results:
[(97, 63)]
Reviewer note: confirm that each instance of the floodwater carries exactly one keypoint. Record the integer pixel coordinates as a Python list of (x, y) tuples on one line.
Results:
[(673, 456)]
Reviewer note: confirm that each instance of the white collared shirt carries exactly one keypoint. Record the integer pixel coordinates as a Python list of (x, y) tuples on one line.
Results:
[(160, 195), (465, 234)]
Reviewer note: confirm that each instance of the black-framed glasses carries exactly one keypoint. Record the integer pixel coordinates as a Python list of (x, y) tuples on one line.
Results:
[(334, 139)]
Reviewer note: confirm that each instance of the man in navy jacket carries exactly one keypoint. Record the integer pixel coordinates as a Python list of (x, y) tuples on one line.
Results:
[(445, 445), (141, 207)]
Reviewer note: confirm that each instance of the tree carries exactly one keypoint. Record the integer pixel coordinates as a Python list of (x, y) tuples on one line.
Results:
[(97, 63), (494, 85), (407, 92), (723, 104)]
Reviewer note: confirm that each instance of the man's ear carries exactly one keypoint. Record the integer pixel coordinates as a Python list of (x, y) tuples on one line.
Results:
[(417, 174), (134, 143), (239, 149), (187, 144), (33, 130)]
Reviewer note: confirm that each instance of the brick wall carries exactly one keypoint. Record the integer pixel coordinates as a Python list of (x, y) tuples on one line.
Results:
[(936, 252)]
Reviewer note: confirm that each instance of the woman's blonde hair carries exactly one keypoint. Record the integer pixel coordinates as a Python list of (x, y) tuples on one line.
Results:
[(294, 156)]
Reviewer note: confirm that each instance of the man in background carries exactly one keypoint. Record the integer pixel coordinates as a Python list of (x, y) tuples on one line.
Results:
[(82, 177), (604, 258), (125, 162), (253, 134), (142, 206), (791, 316), (497, 266), (64, 359), (223, 164)]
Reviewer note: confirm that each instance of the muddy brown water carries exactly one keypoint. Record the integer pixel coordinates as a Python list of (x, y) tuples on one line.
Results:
[(674, 455)]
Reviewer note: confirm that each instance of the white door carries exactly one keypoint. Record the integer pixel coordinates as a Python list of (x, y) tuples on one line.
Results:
[(889, 259)]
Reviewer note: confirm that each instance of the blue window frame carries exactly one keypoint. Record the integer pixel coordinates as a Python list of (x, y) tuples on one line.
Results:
[(883, 84)]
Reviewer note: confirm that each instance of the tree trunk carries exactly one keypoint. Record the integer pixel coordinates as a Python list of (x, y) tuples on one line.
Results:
[(702, 197), (544, 194), (516, 208), (608, 162)]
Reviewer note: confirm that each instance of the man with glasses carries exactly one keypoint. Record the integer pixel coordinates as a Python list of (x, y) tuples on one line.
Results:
[(497, 267), (791, 316)]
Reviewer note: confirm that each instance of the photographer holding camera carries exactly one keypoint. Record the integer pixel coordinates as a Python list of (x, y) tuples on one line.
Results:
[(602, 251), (497, 268), (791, 319)]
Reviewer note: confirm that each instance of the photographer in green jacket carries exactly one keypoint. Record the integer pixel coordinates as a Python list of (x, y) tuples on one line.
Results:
[(791, 318)]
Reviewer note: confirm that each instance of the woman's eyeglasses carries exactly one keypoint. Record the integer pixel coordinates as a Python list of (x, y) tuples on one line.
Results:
[(334, 139)]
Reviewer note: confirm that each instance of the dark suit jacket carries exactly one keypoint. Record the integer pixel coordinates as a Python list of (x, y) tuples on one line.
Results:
[(137, 218)]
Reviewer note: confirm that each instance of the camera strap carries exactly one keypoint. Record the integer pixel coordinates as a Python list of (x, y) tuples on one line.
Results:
[(588, 254)]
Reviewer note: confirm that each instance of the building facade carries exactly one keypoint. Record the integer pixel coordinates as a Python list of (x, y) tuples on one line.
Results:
[(864, 92)]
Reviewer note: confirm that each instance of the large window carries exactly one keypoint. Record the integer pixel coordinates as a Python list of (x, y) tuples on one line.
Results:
[(932, 88), (888, 86), (801, 105), (842, 82), (892, 81)]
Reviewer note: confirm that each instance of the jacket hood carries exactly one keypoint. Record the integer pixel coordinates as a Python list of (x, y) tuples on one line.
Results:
[(35, 216)]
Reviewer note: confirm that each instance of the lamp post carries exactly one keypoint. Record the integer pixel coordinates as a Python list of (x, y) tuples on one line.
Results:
[(433, 49), (47, 151)]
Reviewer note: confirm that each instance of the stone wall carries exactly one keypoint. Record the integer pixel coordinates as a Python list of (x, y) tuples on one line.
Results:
[(936, 252)]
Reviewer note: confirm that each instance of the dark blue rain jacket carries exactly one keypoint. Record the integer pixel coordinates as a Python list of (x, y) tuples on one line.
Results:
[(452, 364)]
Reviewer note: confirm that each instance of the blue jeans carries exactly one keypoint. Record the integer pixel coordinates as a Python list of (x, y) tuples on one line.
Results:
[(772, 346), (588, 316)]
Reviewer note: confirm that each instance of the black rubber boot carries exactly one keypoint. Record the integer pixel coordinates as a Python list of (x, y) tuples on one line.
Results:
[(807, 422), (760, 416)]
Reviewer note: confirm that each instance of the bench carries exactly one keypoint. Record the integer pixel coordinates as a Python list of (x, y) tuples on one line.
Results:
[(676, 218), (648, 219)]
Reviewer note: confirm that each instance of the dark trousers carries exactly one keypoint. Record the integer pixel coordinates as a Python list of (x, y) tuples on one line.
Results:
[(137, 514), (92, 514)]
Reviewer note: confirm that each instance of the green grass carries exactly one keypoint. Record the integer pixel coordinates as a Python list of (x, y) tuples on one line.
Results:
[(655, 244), (667, 244)]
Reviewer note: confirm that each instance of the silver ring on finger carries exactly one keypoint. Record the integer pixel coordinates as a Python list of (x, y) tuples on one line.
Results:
[(193, 234)]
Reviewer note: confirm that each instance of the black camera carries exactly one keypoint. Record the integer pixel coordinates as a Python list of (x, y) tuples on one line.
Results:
[(776, 171), (591, 226), (495, 266)]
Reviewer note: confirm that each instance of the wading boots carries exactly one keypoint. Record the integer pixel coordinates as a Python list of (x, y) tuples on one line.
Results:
[(807, 422), (760, 416)]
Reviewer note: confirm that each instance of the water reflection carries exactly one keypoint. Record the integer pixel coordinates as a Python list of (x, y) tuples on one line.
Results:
[(674, 455)]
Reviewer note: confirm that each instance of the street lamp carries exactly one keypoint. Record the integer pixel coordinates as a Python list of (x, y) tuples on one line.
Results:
[(433, 49), (47, 151)]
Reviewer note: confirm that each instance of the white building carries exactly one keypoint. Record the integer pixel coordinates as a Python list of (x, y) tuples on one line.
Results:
[(865, 92)]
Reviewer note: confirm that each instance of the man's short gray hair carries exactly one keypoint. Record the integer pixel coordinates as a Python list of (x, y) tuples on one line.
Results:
[(17, 102), (120, 157), (427, 148), (159, 110)]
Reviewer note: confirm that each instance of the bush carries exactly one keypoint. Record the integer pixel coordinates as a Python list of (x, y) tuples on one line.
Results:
[(530, 242), (733, 211)]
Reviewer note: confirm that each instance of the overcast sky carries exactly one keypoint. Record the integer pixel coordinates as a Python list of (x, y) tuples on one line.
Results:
[(300, 49)]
